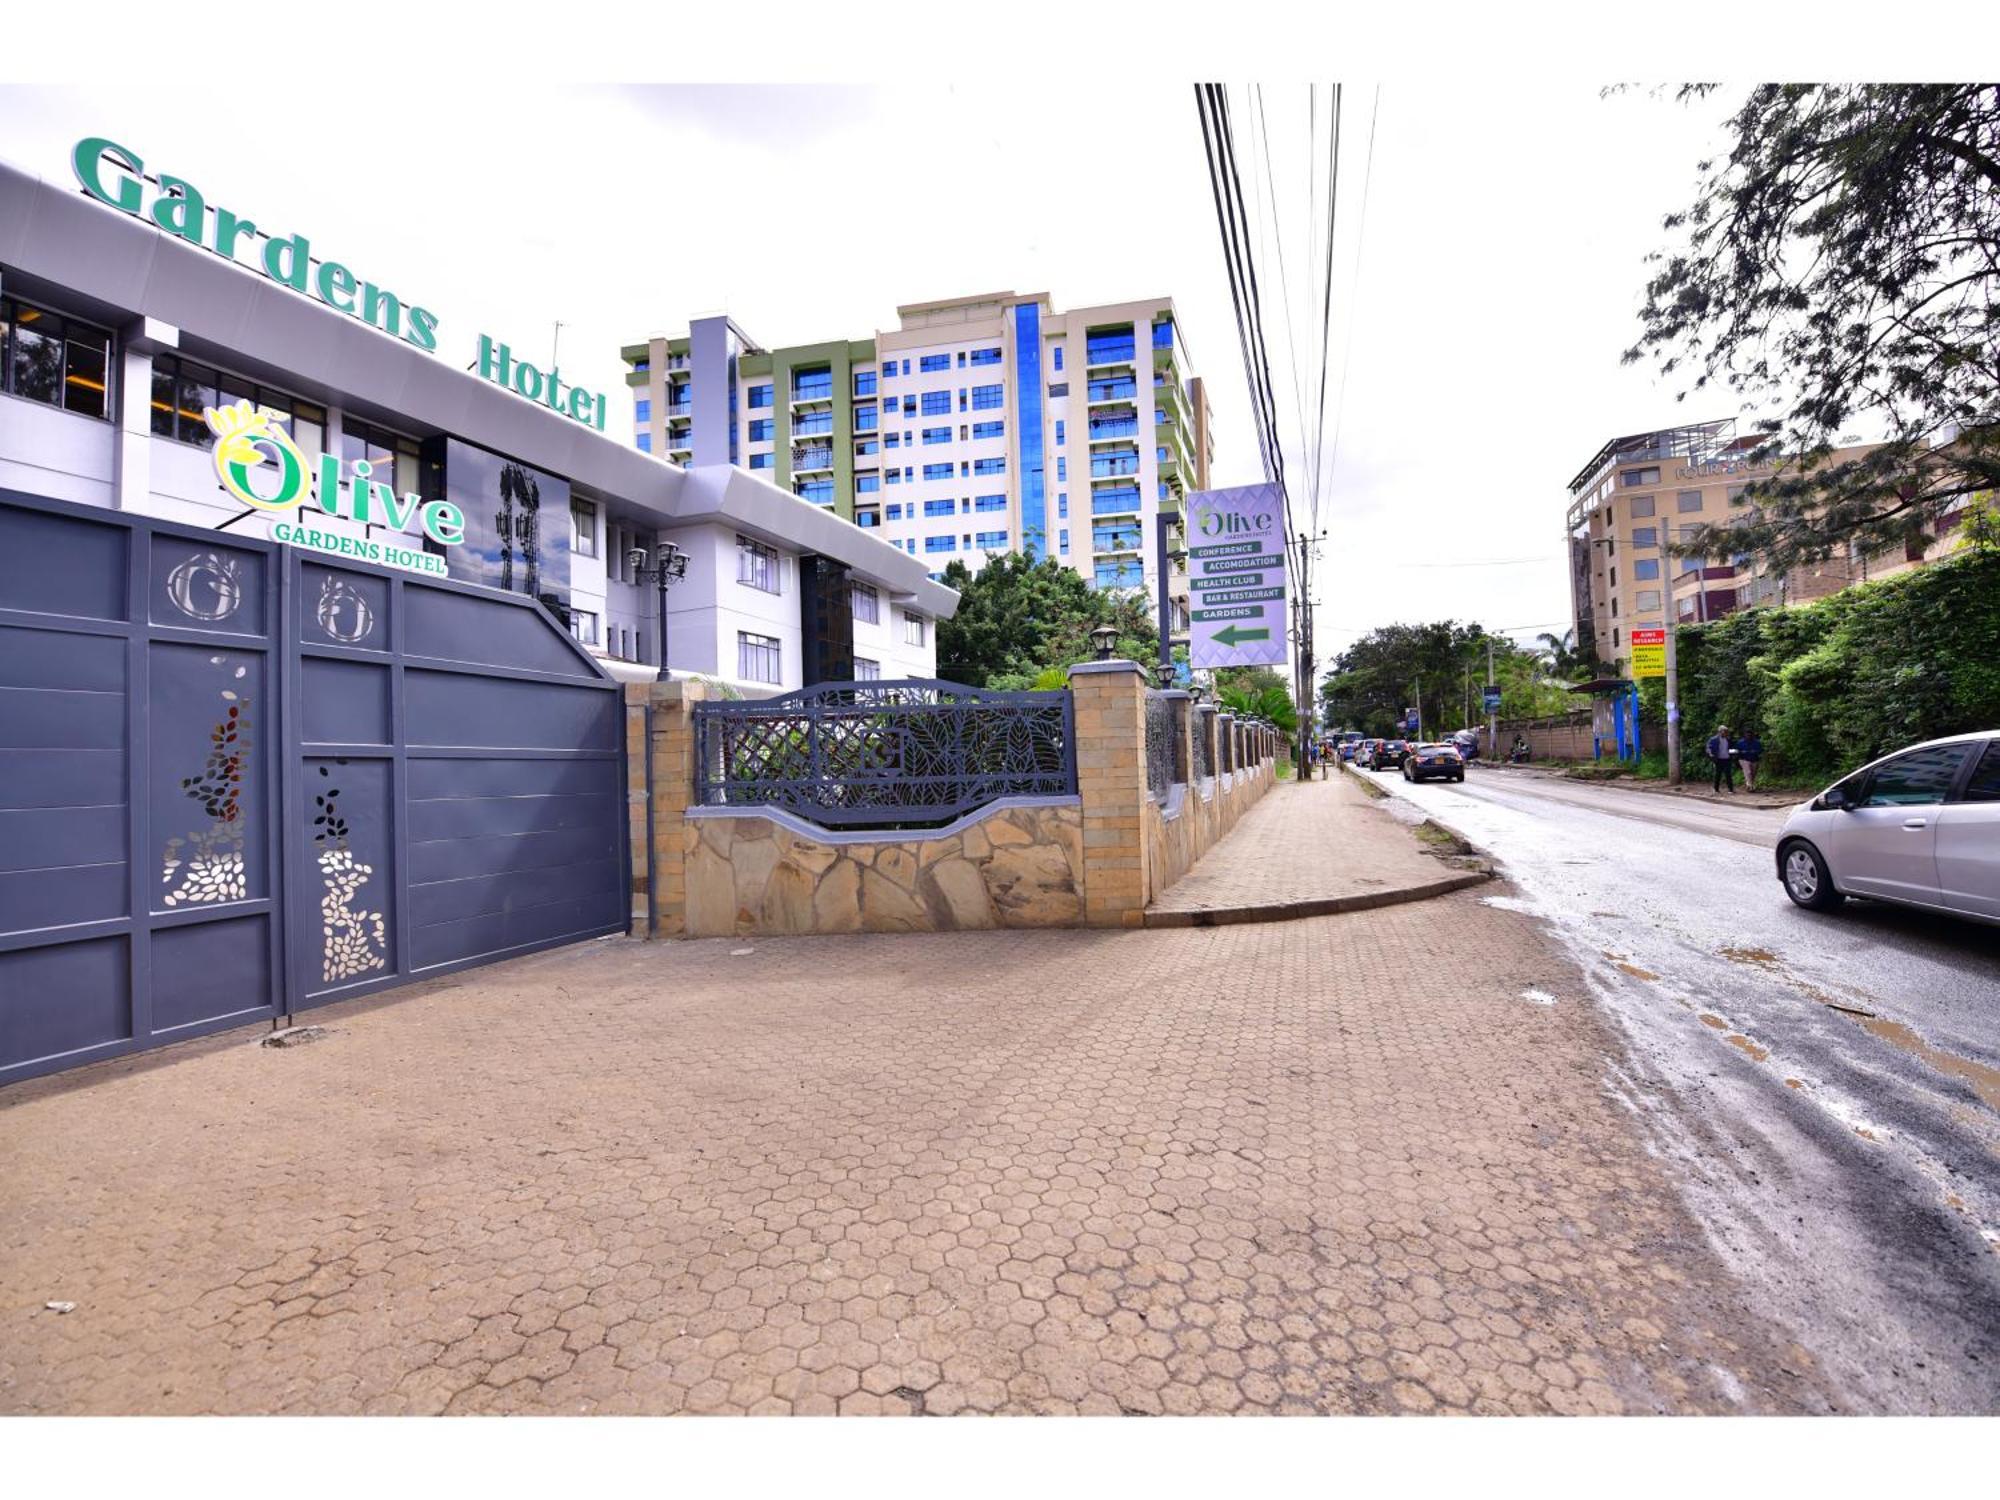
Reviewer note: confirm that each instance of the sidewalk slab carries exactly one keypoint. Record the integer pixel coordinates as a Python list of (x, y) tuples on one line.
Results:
[(1308, 849)]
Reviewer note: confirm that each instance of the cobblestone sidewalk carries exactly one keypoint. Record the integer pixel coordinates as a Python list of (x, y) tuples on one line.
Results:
[(1307, 845), (1331, 1165)]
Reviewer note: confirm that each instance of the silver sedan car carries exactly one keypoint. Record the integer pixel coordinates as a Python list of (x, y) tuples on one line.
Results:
[(1920, 827)]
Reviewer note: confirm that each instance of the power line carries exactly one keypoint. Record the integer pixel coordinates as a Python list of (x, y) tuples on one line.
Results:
[(1353, 305)]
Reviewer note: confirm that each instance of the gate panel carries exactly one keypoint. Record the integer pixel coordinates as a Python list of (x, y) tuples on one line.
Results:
[(236, 781), (138, 896)]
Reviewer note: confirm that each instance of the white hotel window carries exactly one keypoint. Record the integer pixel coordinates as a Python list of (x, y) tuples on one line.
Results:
[(583, 625), (757, 566), (913, 630), (866, 602), (757, 657), (583, 528), (866, 670)]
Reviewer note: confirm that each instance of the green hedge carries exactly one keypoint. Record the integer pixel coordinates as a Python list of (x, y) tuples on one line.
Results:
[(1832, 684)]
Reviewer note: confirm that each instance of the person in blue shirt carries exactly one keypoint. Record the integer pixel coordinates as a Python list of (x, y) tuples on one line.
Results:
[(1722, 755), (1749, 750)]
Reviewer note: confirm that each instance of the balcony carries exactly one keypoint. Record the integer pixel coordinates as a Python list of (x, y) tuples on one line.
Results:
[(1114, 466), (807, 460), (1110, 352), (813, 393), (1114, 427), (1122, 501), (1125, 389), (681, 409)]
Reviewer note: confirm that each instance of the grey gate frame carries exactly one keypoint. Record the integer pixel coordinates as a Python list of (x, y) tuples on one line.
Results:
[(403, 776)]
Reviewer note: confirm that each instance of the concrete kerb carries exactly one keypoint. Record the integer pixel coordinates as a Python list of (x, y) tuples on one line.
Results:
[(1322, 906)]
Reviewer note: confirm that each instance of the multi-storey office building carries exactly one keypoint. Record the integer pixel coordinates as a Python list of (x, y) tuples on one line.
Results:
[(978, 425), (1645, 492)]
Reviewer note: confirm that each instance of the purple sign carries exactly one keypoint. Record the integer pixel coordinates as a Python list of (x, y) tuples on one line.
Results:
[(1236, 561)]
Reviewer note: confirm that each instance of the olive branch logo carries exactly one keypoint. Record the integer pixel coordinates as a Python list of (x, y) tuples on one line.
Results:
[(247, 438)]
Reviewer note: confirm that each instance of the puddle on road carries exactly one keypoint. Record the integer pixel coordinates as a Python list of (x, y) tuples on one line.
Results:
[(1985, 1081), (1763, 958)]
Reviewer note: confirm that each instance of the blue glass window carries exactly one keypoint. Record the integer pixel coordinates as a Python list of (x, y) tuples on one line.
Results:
[(961, 359), (1061, 435), (760, 395), (866, 518), (1646, 568), (909, 406), (933, 362), (1160, 454), (761, 430), (812, 385), (894, 440), (989, 465), (940, 544), (906, 367), (762, 460), (645, 441), (895, 512), (1028, 429), (937, 471), (1163, 334), (986, 356), (990, 502), (1062, 506), (936, 403), (867, 484), (1059, 350), (813, 424), (937, 434), (989, 429), (988, 397), (1114, 501), (865, 418), (1064, 534), (642, 410), (1115, 537), (864, 382), (1109, 345), (895, 476), (819, 491), (991, 540), (940, 507), (1159, 415), (866, 447), (1062, 470), (1122, 574)]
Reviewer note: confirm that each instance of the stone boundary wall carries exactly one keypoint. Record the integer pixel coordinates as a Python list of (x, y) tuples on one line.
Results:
[(1096, 859)]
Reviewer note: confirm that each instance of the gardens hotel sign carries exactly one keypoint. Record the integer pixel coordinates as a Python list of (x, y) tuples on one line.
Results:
[(255, 458)]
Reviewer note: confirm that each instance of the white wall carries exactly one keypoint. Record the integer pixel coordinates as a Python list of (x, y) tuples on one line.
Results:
[(47, 451)]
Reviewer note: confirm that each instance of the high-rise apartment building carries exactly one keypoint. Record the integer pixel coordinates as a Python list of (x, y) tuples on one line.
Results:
[(978, 425), (1641, 494)]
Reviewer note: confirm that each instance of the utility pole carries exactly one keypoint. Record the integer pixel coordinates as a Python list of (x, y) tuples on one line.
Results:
[(1492, 714), (1673, 699)]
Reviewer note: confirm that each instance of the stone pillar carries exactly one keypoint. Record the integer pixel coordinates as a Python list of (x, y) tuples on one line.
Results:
[(1182, 707), (638, 806), (1110, 706), (671, 790)]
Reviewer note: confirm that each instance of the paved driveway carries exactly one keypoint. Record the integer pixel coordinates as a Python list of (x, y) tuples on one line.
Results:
[(1335, 1165)]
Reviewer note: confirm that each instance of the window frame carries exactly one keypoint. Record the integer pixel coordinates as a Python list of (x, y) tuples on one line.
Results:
[(754, 557), (10, 328), (749, 642)]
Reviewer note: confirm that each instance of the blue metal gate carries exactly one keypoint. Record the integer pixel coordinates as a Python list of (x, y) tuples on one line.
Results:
[(237, 781)]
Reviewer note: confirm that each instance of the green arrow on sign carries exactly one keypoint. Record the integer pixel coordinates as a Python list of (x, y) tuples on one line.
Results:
[(1236, 635)]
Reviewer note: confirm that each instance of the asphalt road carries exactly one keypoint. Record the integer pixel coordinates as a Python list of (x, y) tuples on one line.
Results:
[(1829, 1084)]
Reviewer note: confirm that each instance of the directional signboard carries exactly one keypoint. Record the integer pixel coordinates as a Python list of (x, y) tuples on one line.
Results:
[(1491, 697), (1649, 653), (1236, 551)]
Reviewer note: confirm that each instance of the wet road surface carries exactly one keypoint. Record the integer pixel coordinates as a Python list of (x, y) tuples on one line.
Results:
[(1830, 1083)]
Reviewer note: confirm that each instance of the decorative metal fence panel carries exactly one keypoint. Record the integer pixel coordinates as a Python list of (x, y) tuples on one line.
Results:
[(1162, 745), (884, 754)]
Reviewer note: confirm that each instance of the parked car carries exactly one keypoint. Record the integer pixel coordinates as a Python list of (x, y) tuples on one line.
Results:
[(1364, 753), (1920, 827), (1425, 762)]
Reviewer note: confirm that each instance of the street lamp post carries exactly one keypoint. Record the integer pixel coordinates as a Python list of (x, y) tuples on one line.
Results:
[(666, 566), (1105, 639)]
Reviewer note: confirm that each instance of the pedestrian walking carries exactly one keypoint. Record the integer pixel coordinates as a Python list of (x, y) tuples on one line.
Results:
[(1722, 756), (1750, 750)]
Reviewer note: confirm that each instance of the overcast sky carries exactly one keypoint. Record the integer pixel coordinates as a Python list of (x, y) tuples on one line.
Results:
[(1498, 281)]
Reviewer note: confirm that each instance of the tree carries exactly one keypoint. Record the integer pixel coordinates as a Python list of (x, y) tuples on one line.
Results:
[(1019, 618), (1841, 267), (1258, 692), (1376, 678)]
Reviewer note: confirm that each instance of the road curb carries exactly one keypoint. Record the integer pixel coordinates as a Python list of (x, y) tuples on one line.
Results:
[(1321, 906)]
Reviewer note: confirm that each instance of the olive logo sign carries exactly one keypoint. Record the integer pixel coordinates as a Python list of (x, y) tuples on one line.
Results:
[(342, 612), (251, 442), (204, 586)]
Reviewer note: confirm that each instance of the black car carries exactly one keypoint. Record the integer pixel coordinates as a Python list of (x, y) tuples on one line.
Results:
[(1390, 756), (1426, 761)]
